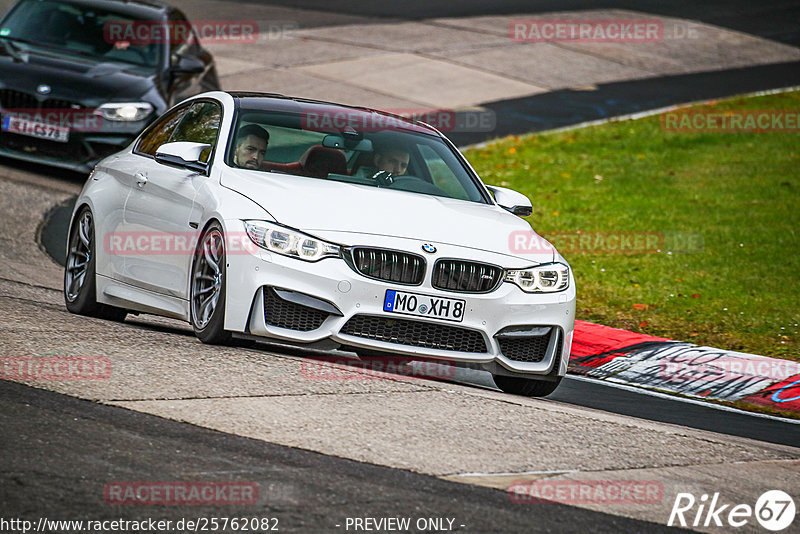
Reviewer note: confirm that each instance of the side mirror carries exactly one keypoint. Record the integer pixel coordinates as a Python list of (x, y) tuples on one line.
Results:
[(183, 154), (510, 200), (188, 65)]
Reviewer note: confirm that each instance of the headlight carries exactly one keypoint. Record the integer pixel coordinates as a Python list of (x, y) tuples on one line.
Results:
[(125, 111), (547, 278), (282, 240)]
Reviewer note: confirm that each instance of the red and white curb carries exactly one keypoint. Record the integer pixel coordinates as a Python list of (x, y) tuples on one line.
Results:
[(655, 363)]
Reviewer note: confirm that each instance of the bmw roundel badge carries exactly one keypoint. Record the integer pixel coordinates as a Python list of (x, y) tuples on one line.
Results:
[(427, 247)]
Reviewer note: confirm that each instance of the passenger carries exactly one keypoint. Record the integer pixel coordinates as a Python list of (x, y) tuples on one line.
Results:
[(251, 146)]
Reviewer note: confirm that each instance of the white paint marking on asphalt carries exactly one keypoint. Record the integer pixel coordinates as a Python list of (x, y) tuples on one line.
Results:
[(721, 407), (520, 473)]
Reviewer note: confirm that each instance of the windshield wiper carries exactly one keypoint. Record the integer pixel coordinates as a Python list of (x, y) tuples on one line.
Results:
[(11, 50), (26, 41), (11, 40), (63, 49)]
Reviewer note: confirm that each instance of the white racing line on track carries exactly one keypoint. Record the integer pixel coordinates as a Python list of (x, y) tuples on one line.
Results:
[(520, 473)]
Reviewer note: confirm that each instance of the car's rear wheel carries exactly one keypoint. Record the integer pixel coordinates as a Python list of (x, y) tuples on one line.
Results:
[(525, 386), (207, 298), (80, 289)]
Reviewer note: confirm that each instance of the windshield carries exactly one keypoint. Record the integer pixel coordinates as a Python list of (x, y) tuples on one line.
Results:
[(79, 30), (349, 145)]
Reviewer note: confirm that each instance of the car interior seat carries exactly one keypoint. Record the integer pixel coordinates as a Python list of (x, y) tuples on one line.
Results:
[(319, 161)]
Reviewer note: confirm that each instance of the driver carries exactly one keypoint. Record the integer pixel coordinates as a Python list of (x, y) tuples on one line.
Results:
[(251, 146), (391, 160)]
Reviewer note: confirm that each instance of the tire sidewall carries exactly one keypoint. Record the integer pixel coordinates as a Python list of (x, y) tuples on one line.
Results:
[(214, 331), (86, 302)]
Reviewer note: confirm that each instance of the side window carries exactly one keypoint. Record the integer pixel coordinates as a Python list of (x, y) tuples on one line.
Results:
[(199, 125), (161, 132), (441, 174)]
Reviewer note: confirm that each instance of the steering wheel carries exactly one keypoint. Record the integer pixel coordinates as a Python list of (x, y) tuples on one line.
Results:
[(383, 178)]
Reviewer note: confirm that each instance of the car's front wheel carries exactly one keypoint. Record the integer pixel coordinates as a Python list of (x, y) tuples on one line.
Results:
[(80, 289), (525, 386), (207, 306)]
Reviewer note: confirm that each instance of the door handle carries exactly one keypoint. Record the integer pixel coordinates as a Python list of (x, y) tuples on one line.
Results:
[(141, 179)]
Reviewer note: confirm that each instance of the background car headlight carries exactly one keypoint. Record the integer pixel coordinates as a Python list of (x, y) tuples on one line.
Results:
[(276, 238), (125, 111), (547, 278)]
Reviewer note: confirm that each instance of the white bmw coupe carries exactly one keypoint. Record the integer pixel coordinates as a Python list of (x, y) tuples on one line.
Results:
[(307, 222)]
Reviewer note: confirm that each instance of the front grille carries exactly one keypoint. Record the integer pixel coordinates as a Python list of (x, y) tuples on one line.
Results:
[(466, 276), (285, 314), (525, 349), (11, 99), (389, 265), (19, 101), (415, 333)]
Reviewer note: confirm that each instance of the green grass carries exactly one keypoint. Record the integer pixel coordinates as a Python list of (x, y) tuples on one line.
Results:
[(737, 286)]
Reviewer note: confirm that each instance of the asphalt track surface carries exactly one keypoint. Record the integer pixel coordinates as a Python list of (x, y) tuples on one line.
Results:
[(771, 19), (58, 467), (777, 20)]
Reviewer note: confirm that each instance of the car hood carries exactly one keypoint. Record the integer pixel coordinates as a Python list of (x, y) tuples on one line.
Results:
[(75, 79), (325, 207)]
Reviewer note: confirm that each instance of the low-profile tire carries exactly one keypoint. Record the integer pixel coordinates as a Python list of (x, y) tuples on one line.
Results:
[(80, 283), (525, 386), (207, 288)]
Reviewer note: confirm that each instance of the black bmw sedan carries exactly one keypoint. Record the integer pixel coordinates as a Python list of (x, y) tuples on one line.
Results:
[(80, 79)]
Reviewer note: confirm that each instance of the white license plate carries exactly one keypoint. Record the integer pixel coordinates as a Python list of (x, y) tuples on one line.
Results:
[(424, 305), (36, 129)]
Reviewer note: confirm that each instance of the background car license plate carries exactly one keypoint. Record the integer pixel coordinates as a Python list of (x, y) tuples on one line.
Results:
[(424, 305), (39, 130)]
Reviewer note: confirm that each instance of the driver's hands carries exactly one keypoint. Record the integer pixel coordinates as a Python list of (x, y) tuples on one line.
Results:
[(383, 178)]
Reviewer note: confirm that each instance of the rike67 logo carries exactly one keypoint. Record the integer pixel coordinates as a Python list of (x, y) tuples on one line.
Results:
[(774, 510)]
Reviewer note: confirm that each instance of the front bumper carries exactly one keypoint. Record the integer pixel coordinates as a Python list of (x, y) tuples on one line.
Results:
[(356, 317), (82, 151)]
